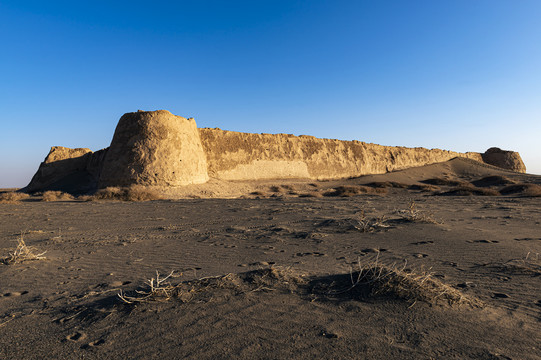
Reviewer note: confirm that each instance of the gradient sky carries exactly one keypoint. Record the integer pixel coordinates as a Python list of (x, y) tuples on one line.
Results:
[(460, 75)]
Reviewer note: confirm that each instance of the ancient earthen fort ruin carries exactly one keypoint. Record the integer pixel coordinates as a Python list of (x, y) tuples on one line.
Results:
[(157, 148)]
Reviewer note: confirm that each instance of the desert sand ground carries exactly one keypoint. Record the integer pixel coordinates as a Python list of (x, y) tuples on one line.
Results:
[(274, 273)]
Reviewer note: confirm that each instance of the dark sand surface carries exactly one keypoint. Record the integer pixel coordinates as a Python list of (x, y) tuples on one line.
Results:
[(66, 307)]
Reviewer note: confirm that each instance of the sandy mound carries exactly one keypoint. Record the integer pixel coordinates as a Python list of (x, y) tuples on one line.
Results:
[(532, 190), (469, 191), (494, 180), (368, 280)]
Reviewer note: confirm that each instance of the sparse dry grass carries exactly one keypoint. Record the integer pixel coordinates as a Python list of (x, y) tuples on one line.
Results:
[(369, 224), (269, 279), (387, 184), (56, 196), (408, 285), (424, 187), (374, 279), (469, 190), (157, 289), (530, 265), (130, 193), (12, 197), (259, 193), (413, 214), (22, 253), (281, 188), (444, 182), (354, 190), (314, 194), (368, 279)]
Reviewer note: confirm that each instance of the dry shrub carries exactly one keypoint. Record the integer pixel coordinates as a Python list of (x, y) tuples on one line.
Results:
[(366, 280), (353, 190), (258, 193), (443, 182), (387, 184), (157, 289), (413, 286), (526, 190), (269, 279), (314, 194), (22, 253), (469, 191), (130, 193), (374, 279), (413, 214), (424, 187), (369, 224), (530, 265), (495, 180), (56, 196), (281, 188), (11, 197)]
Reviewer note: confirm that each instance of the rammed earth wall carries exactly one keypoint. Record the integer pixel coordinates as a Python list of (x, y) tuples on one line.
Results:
[(157, 148)]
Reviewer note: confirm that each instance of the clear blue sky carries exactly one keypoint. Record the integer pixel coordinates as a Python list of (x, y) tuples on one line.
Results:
[(461, 75)]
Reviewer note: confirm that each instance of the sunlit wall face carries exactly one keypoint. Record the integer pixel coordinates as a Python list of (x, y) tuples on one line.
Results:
[(458, 75)]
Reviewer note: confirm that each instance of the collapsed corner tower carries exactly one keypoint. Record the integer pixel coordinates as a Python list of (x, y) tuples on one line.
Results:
[(154, 148)]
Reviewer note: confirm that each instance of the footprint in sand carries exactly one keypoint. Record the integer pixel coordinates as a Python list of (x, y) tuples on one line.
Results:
[(258, 263), (76, 336), (329, 334), (467, 284), (423, 242), (527, 239), (315, 253), (373, 250), (15, 293), (485, 241), (500, 296), (119, 283), (420, 256), (93, 344), (262, 263)]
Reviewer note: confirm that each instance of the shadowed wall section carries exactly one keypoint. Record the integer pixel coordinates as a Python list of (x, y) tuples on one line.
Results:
[(71, 170)]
